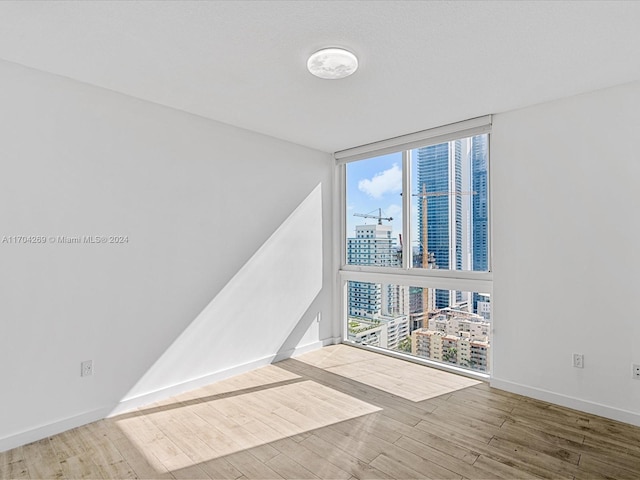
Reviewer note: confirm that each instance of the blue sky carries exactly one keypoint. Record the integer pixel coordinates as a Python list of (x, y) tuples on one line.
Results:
[(371, 184), (377, 183)]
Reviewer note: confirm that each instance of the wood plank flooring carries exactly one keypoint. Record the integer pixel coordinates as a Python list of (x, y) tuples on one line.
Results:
[(339, 413)]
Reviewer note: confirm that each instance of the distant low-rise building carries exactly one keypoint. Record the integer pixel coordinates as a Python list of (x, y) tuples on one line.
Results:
[(383, 331), (456, 337)]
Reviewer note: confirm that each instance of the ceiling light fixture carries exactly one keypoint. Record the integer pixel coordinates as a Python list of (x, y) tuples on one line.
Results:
[(332, 63)]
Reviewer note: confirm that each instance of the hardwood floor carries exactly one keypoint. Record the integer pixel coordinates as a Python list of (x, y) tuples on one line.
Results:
[(339, 413)]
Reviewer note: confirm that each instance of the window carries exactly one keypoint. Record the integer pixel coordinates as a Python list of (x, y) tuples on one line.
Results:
[(394, 317), (449, 184), (416, 253), (374, 211)]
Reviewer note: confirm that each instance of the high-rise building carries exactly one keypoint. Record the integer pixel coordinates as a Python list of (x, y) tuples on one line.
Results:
[(374, 245), (479, 203), (457, 213), (483, 305), (440, 170), (479, 209), (416, 308)]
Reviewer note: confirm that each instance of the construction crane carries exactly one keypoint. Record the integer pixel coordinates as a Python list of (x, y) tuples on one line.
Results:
[(425, 251), (379, 216)]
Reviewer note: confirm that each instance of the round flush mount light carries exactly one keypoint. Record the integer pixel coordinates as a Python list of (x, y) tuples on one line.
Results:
[(332, 63)]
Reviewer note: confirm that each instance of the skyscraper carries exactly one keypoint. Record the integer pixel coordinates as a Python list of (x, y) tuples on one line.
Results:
[(372, 245), (479, 203), (457, 224), (440, 171), (378, 312), (479, 208)]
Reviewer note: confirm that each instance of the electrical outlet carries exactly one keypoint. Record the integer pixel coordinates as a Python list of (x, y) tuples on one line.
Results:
[(578, 360), (636, 371), (86, 368)]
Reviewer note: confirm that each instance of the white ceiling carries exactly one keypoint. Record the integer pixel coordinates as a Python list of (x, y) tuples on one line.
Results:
[(422, 64)]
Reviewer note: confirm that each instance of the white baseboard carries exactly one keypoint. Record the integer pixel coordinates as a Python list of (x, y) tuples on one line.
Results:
[(38, 433), (331, 341), (129, 404), (294, 352), (44, 431), (569, 402)]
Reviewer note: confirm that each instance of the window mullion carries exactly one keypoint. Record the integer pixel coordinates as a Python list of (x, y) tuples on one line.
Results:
[(341, 182), (407, 250)]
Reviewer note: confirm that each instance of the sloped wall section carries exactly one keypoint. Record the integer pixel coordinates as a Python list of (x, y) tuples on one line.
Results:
[(221, 260)]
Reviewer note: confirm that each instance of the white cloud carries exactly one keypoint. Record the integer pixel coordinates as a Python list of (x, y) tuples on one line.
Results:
[(388, 181)]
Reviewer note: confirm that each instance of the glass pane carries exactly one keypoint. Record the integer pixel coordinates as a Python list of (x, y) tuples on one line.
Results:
[(405, 319), (374, 211), (449, 206)]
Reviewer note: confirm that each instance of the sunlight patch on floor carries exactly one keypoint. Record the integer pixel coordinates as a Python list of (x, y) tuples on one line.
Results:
[(405, 379), (216, 425)]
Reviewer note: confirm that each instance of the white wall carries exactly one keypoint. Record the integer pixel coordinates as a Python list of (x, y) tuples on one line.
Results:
[(566, 198), (227, 264)]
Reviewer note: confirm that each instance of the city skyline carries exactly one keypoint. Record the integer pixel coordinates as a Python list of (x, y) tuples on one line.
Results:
[(449, 189), (457, 171)]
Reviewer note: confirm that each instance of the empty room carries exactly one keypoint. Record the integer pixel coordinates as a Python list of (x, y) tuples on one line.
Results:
[(319, 239)]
